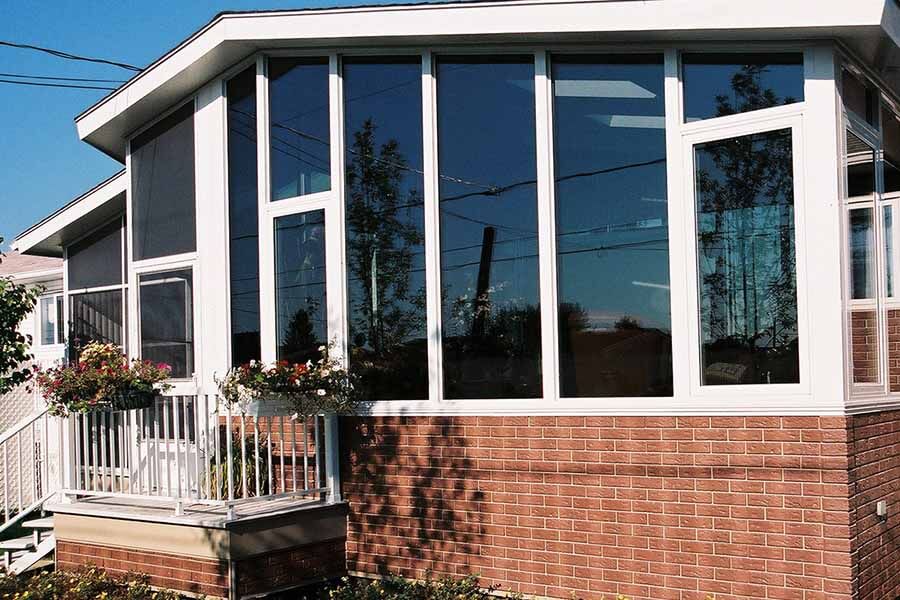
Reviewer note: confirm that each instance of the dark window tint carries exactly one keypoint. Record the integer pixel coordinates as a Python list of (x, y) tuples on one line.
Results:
[(167, 320), (96, 317), (860, 169), (96, 260), (162, 184), (60, 319), (862, 254), (301, 315), (612, 226), (746, 254), (491, 326), (299, 127), (386, 226), (890, 127), (243, 222), (716, 85), (859, 97), (888, 223)]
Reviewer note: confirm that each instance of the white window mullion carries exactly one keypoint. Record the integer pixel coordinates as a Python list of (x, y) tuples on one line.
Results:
[(543, 93), (432, 228), (266, 224), (132, 335), (335, 279)]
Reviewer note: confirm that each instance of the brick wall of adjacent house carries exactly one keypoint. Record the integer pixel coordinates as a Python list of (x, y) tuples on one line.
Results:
[(874, 476), (291, 568), (864, 346), (893, 346), (655, 508), (197, 576)]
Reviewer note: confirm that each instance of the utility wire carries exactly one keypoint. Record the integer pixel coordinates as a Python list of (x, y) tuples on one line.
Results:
[(57, 85), (23, 76), (70, 56)]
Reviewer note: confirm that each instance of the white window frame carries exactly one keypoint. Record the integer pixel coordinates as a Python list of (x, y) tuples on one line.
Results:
[(60, 322)]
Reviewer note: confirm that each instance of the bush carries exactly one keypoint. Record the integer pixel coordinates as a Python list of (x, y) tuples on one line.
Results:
[(88, 583), (396, 588)]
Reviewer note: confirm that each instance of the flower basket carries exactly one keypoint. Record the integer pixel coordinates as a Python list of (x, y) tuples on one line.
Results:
[(271, 406), (130, 400)]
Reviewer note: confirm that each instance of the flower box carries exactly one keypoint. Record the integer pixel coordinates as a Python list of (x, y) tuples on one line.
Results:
[(132, 400), (273, 406)]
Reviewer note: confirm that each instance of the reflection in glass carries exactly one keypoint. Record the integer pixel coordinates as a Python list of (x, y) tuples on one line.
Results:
[(48, 320), (859, 97), (163, 187), (167, 320), (888, 222), (386, 226), (860, 169), (862, 254), (612, 226), (95, 317), (491, 326), (716, 85), (243, 221), (746, 255), (60, 329), (299, 127), (301, 311), (890, 127)]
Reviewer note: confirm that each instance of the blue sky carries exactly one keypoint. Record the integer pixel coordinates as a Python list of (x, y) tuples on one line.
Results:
[(43, 165)]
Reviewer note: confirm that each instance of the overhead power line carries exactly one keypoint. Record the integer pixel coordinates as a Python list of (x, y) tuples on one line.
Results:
[(52, 78), (56, 85), (70, 56)]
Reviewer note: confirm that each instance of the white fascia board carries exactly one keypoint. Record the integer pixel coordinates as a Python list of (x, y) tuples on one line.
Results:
[(77, 209), (44, 276), (220, 43)]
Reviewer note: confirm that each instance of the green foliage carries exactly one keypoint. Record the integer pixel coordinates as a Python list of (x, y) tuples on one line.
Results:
[(87, 583), (218, 473), (16, 302), (397, 588)]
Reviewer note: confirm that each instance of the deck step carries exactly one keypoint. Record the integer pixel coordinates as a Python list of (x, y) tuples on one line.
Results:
[(22, 543), (29, 559), (45, 523)]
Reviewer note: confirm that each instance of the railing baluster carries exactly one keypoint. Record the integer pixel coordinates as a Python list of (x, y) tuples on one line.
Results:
[(197, 479), (45, 478), (90, 452), (176, 427), (167, 446), (36, 467), (104, 451), (281, 433), (305, 454), (6, 481), (294, 454), (75, 429), (95, 457), (192, 476), (230, 453), (318, 447), (269, 468), (217, 450), (123, 458), (157, 451), (244, 457), (19, 469), (256, 453)]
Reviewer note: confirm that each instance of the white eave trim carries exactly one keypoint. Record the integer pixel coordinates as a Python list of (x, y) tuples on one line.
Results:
[(75, 210), (414, 23), (37, 276)]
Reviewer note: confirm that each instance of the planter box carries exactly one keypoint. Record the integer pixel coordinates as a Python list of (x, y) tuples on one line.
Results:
[(132, 401), (270, 407)]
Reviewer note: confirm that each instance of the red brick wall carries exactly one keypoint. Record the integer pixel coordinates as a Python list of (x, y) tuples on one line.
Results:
[(194, 575), (655, 508), (893, 346), (289, 568), (864, 346), (874, 476)]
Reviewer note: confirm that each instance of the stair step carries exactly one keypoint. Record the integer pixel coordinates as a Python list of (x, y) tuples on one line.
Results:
[(29, 559), (45, 523), (24, 543)]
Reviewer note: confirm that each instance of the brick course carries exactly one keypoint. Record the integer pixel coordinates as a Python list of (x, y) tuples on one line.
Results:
[(864, 346), (291, 568)]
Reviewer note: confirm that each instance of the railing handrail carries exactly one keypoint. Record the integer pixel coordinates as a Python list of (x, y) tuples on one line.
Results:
[(21, 425)]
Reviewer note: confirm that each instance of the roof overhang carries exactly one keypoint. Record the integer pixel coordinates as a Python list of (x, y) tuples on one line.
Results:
[(869, 28), (77, 218)]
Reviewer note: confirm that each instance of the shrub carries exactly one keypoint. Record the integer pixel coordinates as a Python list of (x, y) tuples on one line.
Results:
[(397, 588), (88, 583)]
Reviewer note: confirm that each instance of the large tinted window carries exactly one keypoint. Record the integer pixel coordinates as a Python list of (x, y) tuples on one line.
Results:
[(301, 315), (612, 226), (716, 85), (96, 260), (243, 221), (386, 226), (746, 254), (299, 127), (167, 320), (859, 97), (890, 127), (162, 185), (491, 327)]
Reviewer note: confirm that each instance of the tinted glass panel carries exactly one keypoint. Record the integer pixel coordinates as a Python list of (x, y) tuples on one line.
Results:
[(243, 223), (301, 308), (386, 226), (299, 127), (862, 254), (60, 316), (167, 320), (716, 85), (48, 320), (162, 184), (859, 97), (860, 169), (745, 248), (612, 226), (491, 323), (95, 316), (890, 127), (888, 216), (96, 260)]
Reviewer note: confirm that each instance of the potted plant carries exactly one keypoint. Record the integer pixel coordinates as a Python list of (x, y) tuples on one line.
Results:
[(283, 388), (103, 379)]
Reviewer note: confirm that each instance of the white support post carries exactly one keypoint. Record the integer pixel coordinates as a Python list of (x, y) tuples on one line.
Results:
[(332, 462)]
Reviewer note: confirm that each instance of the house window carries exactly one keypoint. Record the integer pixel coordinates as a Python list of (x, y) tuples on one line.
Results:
[(490, 309), (385, 226), (299, 130), (859, 97), (746, 260), (300, 299), (166, 307), (243, 218), (51, 320), (162, 187), (96, 316), (96, 261), (716, 85), (612, 226)]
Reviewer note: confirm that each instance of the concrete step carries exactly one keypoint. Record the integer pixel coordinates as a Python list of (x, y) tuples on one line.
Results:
[(22, 543)]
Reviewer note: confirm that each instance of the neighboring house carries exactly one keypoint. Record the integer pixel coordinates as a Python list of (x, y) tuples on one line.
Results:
[(619, 278)]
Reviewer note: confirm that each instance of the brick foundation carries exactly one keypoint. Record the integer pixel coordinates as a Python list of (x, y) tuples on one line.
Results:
[(291, 568)]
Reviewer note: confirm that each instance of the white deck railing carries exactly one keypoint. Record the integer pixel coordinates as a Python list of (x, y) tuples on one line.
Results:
[(197, 450)]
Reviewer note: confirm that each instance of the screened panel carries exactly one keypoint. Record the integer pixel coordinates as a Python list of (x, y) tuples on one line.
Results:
[(243, 218), (747, 262), (491, 324), (890, 127), (60, 319), (859, 97), (860, 164), (96, 260), (301, 315), (385, 225), (299, 127), (716, 85), (862, 253), (612, 226), (167, 320), (888, 230), (96, 317), (162, 187)]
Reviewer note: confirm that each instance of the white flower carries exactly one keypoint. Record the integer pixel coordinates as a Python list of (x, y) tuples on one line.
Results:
[(325, 372), (253, 362), (320, 392)]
